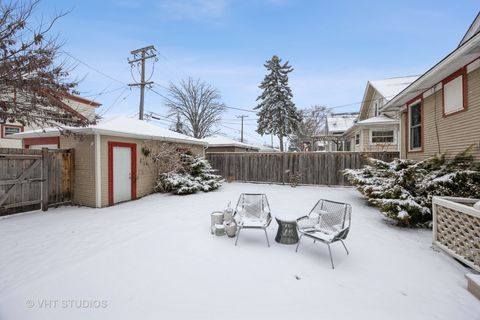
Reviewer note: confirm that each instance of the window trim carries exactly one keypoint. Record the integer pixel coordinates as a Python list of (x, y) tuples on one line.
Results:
[(382, 129), (3, 126), (359, 138), (410, 104), (461, 72)]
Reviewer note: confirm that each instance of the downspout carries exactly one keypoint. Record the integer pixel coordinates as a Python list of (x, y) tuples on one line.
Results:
[(98, 172), (435, 117)]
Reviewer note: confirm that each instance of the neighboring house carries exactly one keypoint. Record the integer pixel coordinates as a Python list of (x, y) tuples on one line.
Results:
[(335, 127), (375, 130), (224, 144), (440, 111), (79, 107), (111, 157)]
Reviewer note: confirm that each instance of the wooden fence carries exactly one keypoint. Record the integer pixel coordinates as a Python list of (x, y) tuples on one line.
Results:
[(34, 179), (320, 168)]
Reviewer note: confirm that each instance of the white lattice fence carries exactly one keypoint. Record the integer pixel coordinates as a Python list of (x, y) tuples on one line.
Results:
[(456, 229)]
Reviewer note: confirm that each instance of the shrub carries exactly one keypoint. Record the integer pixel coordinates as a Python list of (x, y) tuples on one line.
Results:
[(403, 189), (195, 174)]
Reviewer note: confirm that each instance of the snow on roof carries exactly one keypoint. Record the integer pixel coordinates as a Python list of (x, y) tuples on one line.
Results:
[(389, 88), (340, 123), (222, 141), (120, 126), (378, 120)]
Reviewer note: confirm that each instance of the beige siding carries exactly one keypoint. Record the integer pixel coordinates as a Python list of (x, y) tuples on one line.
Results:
[(84, 109), (84, 176), (455, 132), (145, 177), (366, 146)]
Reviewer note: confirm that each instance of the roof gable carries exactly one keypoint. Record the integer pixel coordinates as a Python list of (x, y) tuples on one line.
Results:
[(472, 30), (386, 89)]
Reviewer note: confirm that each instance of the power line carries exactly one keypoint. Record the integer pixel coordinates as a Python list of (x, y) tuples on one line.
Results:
[(93, 68), (103, 92), (115, 101)]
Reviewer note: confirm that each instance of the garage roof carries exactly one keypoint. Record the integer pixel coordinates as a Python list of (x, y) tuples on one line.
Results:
[(120, 126)]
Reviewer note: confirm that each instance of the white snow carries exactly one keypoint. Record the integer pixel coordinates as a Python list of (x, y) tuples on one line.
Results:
[(389, 88), (155, 258), (340, 123), (222, 141), (378, 120), (122, 126)]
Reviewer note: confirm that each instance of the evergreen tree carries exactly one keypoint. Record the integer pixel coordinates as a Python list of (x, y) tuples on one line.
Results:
[(277, 113)]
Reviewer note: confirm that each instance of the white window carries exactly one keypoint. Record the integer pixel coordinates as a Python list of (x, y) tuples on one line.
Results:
[(7, 130), (453, 95), (375, 105), (382, 136), (415, 123), (357, 138)]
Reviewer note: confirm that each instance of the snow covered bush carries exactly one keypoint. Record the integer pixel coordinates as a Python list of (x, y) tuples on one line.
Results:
[(195, 174), (403, 189)]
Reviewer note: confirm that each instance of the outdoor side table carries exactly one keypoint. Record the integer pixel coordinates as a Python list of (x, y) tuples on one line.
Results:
[(287, 230)]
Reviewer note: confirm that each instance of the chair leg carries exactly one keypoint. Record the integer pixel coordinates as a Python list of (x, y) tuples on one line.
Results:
[(238, 235), (345, 246), (298, 244), (331, 259), (266, 236)]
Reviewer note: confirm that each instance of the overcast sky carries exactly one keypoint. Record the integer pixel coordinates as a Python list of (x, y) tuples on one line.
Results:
[(334, 47)]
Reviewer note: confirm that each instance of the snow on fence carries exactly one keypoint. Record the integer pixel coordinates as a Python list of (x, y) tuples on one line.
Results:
[(33, 179), (456, 229), (320, 168)]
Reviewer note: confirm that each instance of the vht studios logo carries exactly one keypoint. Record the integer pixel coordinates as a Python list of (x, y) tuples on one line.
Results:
[(67, 304)]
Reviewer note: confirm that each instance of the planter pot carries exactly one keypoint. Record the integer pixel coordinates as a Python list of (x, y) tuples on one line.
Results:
[(216, 218), (231, 229), (228, 215), (219, 230)]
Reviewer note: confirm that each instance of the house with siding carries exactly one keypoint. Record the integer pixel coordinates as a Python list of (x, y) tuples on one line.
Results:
[(79, 107), (376, 130), (335, 126), (220, 143), (440, 111), (111, 157)]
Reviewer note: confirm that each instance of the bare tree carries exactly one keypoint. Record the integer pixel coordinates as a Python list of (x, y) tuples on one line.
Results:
[(313, 124), (32, 83), (196, 102)]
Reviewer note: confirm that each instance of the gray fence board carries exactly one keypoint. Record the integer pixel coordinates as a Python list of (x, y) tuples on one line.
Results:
[(320, 168)]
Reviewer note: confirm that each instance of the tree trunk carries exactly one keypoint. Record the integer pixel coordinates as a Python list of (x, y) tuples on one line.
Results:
[(280, 137)]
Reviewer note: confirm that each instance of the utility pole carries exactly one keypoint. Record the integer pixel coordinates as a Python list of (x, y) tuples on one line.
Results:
[(241, 117), (139, 57)]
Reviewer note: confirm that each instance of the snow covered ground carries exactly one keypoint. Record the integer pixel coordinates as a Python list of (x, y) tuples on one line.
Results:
[(155, 259)]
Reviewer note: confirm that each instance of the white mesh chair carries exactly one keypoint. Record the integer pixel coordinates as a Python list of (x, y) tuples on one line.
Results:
[(327, 222), (252, 212)]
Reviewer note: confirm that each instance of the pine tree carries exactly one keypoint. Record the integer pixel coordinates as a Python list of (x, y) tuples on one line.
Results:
[(277, 113)]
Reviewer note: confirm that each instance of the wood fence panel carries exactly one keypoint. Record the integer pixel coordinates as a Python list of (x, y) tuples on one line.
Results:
[(320, 168), (28, 177)]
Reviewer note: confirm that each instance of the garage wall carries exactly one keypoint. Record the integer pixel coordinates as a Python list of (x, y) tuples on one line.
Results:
[(84, 172), (145, 177)]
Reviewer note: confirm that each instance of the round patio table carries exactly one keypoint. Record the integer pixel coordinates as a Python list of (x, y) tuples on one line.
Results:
[(287, 230)]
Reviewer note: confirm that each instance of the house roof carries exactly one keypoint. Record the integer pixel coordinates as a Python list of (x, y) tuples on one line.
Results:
[(222, 141), (378, 120), (120, 126), (389, 88), (473, 30), (340, 123), (464, 54)]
